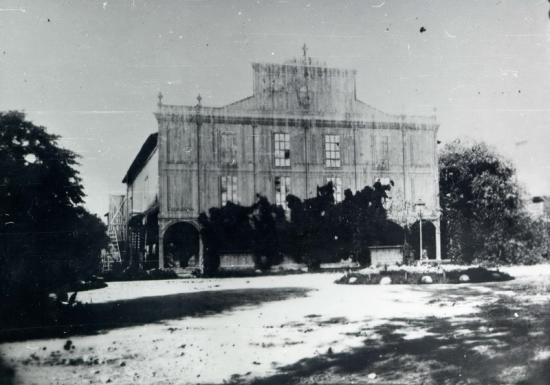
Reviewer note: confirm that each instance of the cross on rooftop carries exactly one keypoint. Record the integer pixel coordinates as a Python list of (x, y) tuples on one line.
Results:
[(198, 106), (160, 96)]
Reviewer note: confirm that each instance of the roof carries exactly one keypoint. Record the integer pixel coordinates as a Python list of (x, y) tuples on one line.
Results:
[(327, 94), (141, 158)]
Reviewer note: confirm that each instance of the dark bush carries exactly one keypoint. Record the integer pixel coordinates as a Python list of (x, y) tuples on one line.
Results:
[(136, 274), (403, 277), (319, 230), (323, 231), (239, 229)]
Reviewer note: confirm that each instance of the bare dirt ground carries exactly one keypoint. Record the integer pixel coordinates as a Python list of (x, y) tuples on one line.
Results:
[(300, 329)]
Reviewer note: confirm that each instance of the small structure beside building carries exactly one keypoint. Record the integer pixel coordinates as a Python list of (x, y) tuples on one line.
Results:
[(538, 207), (386, 255)]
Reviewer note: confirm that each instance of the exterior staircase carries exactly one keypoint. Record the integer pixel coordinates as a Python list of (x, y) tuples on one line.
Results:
[(113, 252)]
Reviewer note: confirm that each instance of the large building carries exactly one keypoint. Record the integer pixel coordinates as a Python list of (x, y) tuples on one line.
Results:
[(302, 127)]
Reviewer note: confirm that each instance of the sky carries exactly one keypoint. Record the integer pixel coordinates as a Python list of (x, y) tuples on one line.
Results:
[(90, 70)]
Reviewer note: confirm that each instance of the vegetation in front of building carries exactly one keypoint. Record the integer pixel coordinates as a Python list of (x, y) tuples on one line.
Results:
[(135, 273), (320, 230), (483, 215), (424, 274)]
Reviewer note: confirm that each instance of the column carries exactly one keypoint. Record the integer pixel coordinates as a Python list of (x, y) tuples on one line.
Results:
[(161, 246), (437, 239), (201, 256)]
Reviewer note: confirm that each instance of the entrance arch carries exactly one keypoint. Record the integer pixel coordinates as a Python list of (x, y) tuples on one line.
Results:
[(181, 244), (428, 239)]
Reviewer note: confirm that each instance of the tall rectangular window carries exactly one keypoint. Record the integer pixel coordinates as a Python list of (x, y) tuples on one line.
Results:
[(282, 189), (383, 153), (282, 150), (332, 151), (228, 149), (337, 185), (419, 149), (228, 189)]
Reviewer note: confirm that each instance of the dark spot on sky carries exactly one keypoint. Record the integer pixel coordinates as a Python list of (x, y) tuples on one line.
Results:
[(49, 20), (422, 29), (479, 92), (519, 91)]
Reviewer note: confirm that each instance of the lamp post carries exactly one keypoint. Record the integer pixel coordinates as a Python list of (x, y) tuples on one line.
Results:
[(418, 205)]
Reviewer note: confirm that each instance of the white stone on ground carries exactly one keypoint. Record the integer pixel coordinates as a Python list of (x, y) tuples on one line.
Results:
[(385, 281), (426, 279), (464, 278)]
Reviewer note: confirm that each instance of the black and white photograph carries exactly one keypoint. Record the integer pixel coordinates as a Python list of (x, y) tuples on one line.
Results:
[(265, 192)]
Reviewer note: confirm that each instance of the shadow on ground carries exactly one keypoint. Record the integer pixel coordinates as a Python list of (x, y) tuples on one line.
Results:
[(506, 343), (7, 374), (94, 318)]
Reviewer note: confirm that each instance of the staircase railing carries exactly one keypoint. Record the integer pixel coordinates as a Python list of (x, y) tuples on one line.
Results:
[(113, 255)]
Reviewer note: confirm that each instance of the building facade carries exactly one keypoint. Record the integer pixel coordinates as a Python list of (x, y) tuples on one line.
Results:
[(302, 127)]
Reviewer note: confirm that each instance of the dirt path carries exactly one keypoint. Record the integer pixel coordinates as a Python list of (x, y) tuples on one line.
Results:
[(332, 333)]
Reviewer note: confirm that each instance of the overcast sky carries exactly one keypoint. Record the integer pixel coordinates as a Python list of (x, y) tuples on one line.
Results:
[(90, 70)]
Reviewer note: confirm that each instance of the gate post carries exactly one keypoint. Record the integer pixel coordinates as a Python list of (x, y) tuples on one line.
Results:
[(161, 249)]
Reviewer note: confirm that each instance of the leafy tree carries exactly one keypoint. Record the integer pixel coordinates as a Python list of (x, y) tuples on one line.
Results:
[(242, 229), (482, 213), (265, 240), (319, 230), (325, 231), (313, 241), (46, 239)]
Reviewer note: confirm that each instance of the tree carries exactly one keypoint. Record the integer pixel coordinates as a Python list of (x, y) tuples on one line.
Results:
[(482, 213), (265, 240), (242, 229), (47, 239), (320, 230), (311, 233), (325, 231)]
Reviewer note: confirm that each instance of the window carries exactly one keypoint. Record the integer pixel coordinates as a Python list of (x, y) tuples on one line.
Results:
[(332, 150), (337, 185), (383, 153), (228, 189), (282, 150), (419, 149), (282, 189), (384, 180), (228, 149)]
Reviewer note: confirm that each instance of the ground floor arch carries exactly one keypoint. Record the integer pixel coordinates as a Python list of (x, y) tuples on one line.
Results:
[(181, 246), (429, 239)]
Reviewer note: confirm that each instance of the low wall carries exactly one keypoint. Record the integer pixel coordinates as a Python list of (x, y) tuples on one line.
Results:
[(386, 255), (236, 261)]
